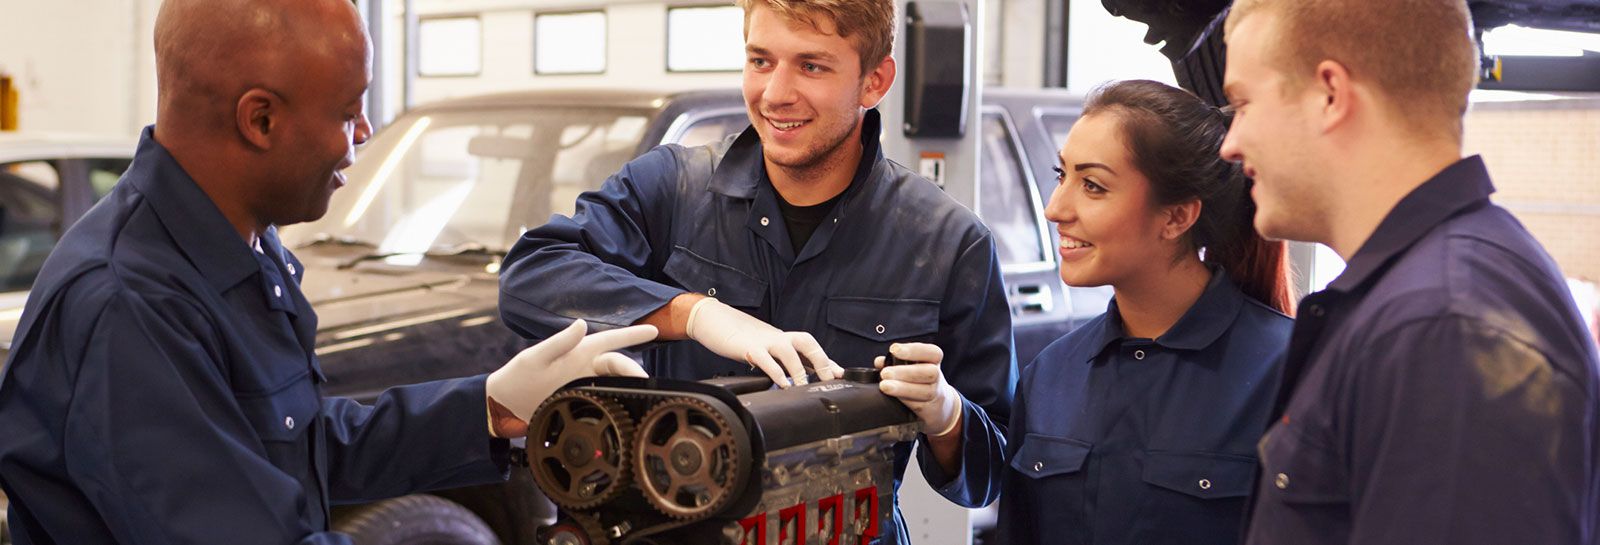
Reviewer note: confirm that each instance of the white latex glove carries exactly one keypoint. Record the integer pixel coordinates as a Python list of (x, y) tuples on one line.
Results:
[(738, 336), (536, 372), (921, 386)]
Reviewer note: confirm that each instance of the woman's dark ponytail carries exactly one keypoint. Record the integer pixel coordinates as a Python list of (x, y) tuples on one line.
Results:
[(1174, 138)]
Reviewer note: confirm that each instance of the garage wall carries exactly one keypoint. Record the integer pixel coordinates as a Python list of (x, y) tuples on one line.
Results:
[(636, 38), (91, 70), (1014, 55), (109, 42), (1545, 159)]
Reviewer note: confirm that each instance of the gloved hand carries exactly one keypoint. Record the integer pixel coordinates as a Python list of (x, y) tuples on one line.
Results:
[(517, 388), (738, 336), (921, 386)]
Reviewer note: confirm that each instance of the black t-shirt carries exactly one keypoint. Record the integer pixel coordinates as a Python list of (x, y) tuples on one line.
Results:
[(802, 221)]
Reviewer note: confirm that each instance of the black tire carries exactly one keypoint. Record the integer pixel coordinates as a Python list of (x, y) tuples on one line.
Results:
[(418, 519)]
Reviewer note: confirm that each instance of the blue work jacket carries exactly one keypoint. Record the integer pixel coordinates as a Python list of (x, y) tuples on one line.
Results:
[(896, 261), (163, 389), (1443, 389), (1129, 440)]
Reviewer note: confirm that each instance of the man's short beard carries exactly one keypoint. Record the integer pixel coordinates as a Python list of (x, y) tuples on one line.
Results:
[(828, 152)]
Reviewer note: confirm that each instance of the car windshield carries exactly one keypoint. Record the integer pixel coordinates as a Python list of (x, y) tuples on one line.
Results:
[(472, 178)]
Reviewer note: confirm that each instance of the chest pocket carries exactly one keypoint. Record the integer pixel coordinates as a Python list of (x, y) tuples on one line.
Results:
[(282, 418), (1297, 469), (712, 279), (863, 328), (1042, 456), (1200, 474)]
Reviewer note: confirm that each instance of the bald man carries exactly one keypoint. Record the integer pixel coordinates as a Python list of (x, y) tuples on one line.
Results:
[(163, 387)]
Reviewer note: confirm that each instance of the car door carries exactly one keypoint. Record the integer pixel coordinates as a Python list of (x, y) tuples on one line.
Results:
[(86, 181), (31, 218)]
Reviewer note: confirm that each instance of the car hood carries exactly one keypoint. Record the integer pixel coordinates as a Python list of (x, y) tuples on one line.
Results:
[(353, 300), (349, 302)]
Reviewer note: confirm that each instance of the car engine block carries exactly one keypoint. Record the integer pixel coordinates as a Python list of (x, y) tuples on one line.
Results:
[(724, 461)]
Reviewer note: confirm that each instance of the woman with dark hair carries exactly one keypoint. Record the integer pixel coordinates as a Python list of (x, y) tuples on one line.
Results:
[(1141, 426)]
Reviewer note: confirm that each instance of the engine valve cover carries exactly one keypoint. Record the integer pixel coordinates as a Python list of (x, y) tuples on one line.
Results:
[(728, 461)]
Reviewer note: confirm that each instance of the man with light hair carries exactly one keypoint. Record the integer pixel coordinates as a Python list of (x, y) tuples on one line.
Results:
[(1442, 389), (796, 242)]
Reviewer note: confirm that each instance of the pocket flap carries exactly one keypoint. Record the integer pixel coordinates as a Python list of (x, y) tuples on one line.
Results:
[(884, 320), (285, 414), (712, 279), (1200, 474), (1043, 455), (1298, 469)]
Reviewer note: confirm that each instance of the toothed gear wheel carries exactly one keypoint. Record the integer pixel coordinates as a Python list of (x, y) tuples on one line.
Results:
[(576, 529), (687, 460), (578, 449)]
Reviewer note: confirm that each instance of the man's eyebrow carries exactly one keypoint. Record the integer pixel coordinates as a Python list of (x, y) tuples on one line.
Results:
[(819, 56), (757, 50)]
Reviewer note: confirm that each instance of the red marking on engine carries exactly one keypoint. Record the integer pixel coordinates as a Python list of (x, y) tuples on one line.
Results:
[(833, 505), (868, 496), (797, 513), (757, 522)]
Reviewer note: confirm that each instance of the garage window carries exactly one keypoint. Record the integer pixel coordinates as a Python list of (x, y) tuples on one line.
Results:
[(705, 39), (569, 43), (449, 46)]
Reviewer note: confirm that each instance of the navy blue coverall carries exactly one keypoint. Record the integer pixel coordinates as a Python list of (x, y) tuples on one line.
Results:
[(896, 261), (1118, 439), (163, 389), (1443, 389)]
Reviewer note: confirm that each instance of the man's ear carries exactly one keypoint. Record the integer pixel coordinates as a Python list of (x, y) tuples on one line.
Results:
[(1337, 93), (1180, 218), (877, 82), (256, 115)]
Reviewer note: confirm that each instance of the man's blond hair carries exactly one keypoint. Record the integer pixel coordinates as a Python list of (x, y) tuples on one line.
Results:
[(1419, 53), (869, 24)]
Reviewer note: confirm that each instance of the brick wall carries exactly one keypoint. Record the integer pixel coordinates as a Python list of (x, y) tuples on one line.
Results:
[(1545, 159)]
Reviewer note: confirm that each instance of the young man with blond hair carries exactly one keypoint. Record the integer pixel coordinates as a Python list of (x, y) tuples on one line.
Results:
[(1443, 388), (796, 242)]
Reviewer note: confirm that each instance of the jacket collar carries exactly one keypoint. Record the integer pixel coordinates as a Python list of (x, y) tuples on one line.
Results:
[(189, 215), (743, 167), (1210, 316), (1461, 186), (1206, 320)]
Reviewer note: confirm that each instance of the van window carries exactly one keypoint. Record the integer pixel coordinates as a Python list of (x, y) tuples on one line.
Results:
[(1006, 196), (1057, 125), (30, 220)]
